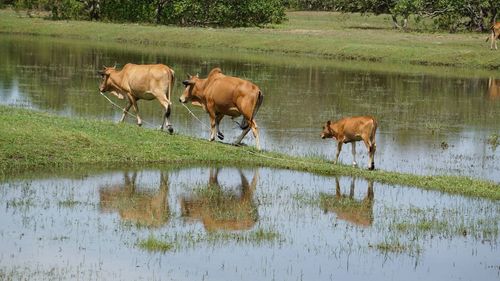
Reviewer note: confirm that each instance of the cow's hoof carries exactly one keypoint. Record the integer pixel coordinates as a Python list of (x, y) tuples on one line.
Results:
[(371, 167), (170, 129), (139, 124), (220, 135)]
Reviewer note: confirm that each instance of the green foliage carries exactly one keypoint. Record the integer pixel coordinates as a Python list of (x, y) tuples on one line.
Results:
[(451, 15), (180, 12)]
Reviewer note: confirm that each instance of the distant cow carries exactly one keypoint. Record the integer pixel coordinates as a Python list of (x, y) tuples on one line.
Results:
[(135, 82), (495, 34), (353, 129), (221, 95)]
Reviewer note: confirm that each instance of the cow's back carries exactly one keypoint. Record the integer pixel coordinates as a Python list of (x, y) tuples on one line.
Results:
[(232, 91), (146, 77), (353, 128)]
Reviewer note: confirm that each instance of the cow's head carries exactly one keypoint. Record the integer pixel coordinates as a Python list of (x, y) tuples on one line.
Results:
[(192, 88), (105, 85), (327, 130)]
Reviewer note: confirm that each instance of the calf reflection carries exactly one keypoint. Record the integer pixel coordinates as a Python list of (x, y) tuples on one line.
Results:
[(359, 212), (493, 88), (220, 210), (144, 208)]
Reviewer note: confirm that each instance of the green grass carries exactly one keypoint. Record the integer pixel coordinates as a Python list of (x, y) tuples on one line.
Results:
[(168, 242), (306, 34), (31, 140), (154, 244)]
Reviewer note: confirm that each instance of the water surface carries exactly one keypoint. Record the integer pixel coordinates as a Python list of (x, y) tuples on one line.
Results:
[(88, 227)]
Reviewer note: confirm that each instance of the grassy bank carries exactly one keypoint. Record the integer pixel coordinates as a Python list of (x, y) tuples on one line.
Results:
[(331, 35), (32, 140)]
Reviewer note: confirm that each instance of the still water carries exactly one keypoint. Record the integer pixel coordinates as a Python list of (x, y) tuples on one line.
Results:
[(241, 224), (428, 123)]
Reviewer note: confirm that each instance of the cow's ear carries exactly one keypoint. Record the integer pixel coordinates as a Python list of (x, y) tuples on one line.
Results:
[(328, 123)]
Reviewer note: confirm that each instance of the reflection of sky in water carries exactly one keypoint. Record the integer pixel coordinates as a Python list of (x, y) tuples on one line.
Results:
[(83, 240), (297, 101)]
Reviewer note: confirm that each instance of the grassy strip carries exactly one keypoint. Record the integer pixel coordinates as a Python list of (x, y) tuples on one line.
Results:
[(332, 35), (32, 140)]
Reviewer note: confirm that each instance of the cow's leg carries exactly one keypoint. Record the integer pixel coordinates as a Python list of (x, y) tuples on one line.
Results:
[(495, 39), (255, 131), (136, 109), (353, 144), (125, 111), (339, 148), (371, 152), (212, 126), (243, 134), (166, 115), (218, 118)]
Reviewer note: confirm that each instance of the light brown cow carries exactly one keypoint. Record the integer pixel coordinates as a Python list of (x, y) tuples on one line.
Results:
[(353, 129), (222, 210), (135, 82), (347, 208), (495, 34), (221, 95)]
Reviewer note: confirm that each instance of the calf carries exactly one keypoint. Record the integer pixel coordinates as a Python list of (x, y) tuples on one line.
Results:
[(353, 129), (495, 34)]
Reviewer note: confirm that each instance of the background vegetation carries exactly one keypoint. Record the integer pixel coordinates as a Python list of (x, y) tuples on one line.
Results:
[(178, 12), (450, 15)]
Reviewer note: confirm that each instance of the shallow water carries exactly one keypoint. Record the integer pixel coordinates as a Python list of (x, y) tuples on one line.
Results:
[(428, 123), (88, 227)]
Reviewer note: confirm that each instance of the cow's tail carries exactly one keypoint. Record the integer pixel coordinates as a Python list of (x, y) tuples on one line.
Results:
[(170, 85), (373, 146)]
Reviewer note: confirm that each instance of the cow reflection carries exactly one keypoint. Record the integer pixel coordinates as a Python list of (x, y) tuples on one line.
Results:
[(144, 208), (220, 210), (359, 212), (493, 88)]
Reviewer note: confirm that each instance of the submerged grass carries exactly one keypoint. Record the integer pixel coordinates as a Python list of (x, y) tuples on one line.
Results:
[(170, 242), (326, 35), (31, 140)]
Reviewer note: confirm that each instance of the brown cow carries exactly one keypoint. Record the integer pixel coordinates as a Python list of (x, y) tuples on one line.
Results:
[(135, 82), (220, 210), (359, 212), (221, 95), (353, 129), (495, 34)]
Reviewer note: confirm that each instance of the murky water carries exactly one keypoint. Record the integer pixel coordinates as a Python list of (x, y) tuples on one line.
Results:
[(241, 224), (428, 124)]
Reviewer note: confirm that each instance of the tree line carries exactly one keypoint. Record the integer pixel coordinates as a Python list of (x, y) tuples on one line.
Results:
[(179, 12), (451, 15)]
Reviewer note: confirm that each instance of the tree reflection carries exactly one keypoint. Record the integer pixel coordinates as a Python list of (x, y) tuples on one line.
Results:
[(222, 210), (145, 208), (347, 208)]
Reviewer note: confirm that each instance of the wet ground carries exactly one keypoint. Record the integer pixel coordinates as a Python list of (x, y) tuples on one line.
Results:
[(220, 223)]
